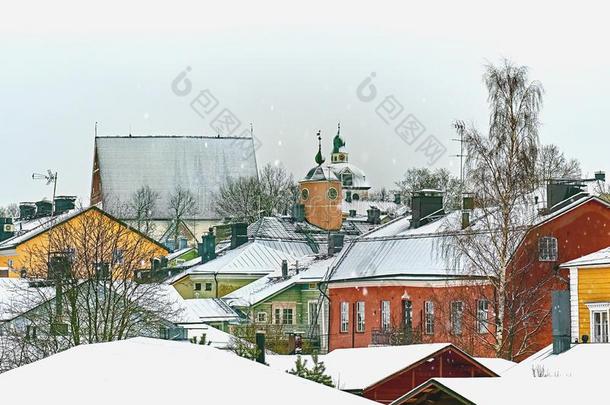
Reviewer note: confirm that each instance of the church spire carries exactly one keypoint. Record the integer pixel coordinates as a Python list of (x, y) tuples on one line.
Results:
[(338, 142), (319, 158)]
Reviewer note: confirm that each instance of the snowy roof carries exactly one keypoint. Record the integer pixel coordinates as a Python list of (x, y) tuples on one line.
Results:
[(601, 257), (418, 255), (319, 173), (360, 368), (199, 164), (32, 228), (310, 270), (497, 365), (581, 360), (504, 391), (17, 296), (133, 371), (361, 207), (179, 253), (250, 258), (210, 309), (358, 177)]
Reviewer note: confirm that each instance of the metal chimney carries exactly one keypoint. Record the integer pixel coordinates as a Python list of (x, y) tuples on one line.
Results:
[(284, 268)]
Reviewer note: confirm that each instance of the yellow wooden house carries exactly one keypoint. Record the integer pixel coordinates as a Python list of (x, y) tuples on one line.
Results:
[(26, 252), (590, 297)]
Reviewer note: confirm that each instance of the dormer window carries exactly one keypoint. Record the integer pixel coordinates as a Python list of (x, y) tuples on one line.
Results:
[(547, 249), (347, 179)]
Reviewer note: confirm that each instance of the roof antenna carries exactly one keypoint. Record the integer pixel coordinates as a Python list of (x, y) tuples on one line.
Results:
[(251, 130), (95, 129)]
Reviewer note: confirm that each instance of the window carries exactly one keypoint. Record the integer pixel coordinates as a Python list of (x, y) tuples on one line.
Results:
[(457, 311), (10, 263), (429, 317), (287, 316), (261, 317), (355, 197), (304, 194), (408, 314), (208, 286), (284, 316), (547, 249), (598, 317), (482, 315), (385, 315), (312, 286), (600, 326), (312, 312), (197, 286), (360, 316), (344, 317), (117, 256), (347, 179)]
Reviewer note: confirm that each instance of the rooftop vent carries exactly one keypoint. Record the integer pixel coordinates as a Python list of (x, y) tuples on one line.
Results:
[(373, 215), (284, 268), (64, 204), (27, 210), (44, 208)]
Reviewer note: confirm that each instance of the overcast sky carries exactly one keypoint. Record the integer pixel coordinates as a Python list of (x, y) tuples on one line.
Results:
[(290, 68)]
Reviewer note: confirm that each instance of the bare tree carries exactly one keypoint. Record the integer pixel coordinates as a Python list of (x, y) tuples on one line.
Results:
[(10, 211), (418, 178), (552, 164), (80, 289), (501, 169), (249, 198), (182, 204), (143, 204)]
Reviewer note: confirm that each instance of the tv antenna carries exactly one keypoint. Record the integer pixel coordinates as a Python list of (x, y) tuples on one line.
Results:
[(51, 178), (460, 128)]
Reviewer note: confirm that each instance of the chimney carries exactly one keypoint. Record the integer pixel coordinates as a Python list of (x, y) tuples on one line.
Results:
[(260, 347), (239, 234), (27, 210), (397, 199), (335, 243), (44, 208), (348, 196), (561, 321), (207, 247), (373, 215), (284, 268), (64, 204), (298, 212), (352, 213), (7, 229), (600, 176), (561, 190), (424, 203)]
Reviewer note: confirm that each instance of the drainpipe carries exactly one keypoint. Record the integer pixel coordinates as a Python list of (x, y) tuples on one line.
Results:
[(216, 285)]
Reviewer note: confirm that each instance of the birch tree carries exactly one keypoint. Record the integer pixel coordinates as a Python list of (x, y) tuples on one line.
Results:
[(501, 169), (182, 204), (143, 204)]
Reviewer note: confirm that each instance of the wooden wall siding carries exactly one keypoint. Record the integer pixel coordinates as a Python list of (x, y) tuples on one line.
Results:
[(299, 294), (186, 286), (447, 363), (593, 286)]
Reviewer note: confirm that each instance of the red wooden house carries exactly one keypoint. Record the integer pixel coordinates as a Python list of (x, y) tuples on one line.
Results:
[(384, 374), (392, 285)]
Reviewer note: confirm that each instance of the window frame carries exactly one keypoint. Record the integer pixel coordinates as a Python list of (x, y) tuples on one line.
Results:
[(258, 317), (385, 318), (360, 317), (206, 286), (429, 317), (601, 308), (548, 249), (482, 321), (344, 318), (197, 287), (457, 318)]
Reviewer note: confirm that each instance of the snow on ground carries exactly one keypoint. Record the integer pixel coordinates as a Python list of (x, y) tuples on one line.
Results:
[(151, 371)]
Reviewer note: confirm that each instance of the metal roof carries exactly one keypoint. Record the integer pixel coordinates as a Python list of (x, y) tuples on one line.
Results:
[(199, 164)]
